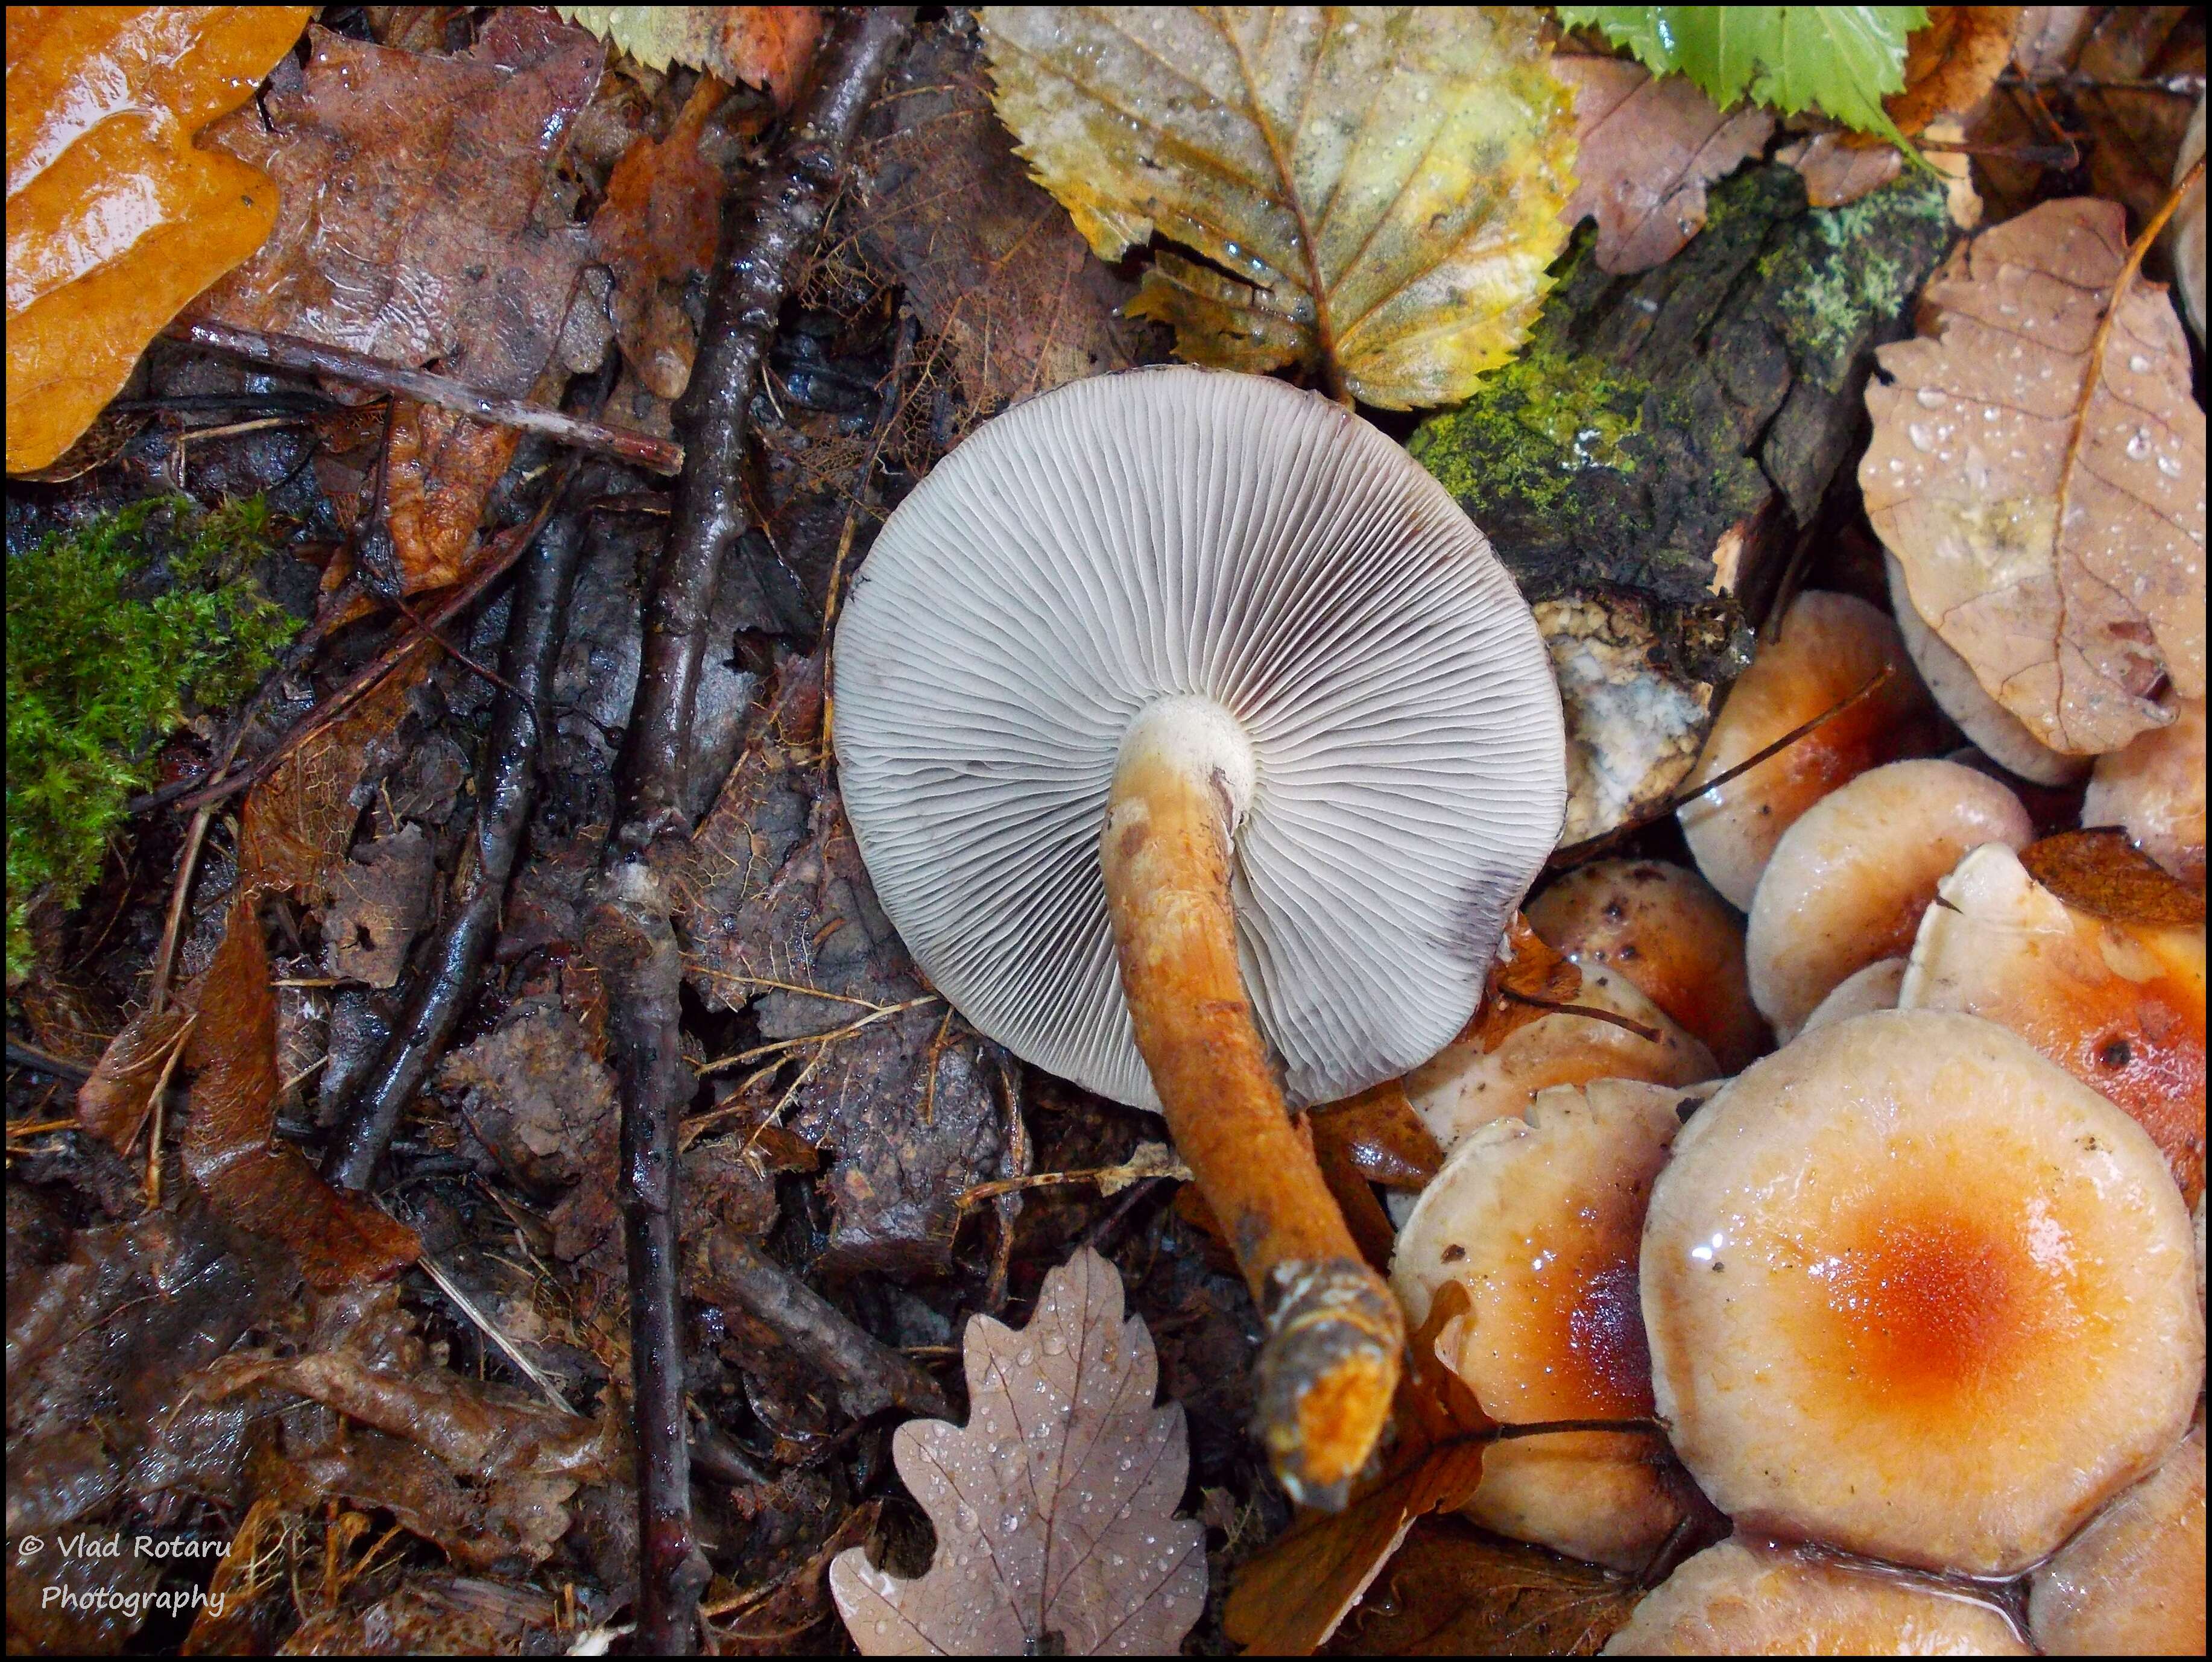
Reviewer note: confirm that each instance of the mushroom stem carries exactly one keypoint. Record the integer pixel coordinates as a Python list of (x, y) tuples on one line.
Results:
[(1330, 1367)]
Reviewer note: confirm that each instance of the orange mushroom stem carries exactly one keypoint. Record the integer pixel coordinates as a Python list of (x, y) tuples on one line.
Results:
[(1330, 1364)]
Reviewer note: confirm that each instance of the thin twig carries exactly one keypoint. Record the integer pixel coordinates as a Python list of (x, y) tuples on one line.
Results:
[(1589, 848), (30, 1056), (161, 1097), (505, 796), (289, 352), (507, 548), (767, 224), (776, 1047), (1649, 1034), (508, 1348)]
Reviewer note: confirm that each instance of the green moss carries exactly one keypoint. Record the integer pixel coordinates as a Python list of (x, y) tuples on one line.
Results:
[(1833, 287), (116, 628), (1538, 424)]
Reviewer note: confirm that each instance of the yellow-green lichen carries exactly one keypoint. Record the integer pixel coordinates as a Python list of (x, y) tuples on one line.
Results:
[(1537, 425)]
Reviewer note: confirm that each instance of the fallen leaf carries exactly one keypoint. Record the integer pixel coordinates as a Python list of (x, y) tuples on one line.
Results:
[(657, 230), (990, 264), (1054, 1506), (292, 835), (1524, 978), (383, 897), (416, 227), (2119, 1001), (1385, 185), (115, 218), (1453, 1590), (2102, 873), (2037, 469), (1381, 1136), (113, 1104), (765, 47), (1953, 63), (1646, 149)]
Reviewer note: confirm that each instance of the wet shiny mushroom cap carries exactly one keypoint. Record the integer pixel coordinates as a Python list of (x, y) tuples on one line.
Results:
[(1914, 1290), (2132, 1583), (1750, 1598), (1538, 1220), (1849, 880), (1259, 552), (2153, 789), (1828, 647)]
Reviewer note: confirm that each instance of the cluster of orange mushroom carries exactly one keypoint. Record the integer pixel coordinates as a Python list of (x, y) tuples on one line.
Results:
[(1916, 1297), (1201, 750)]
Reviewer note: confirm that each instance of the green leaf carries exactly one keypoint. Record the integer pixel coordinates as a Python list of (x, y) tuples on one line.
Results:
[(1843, 58)]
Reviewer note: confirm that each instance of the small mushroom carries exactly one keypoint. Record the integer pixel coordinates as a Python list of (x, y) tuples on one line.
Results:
[(1848, 882), (2119, 1006), (1539, 1220), (1664, 928), (1915, 1291), (1873, 987), (1465, 1085), (1200, 750), (1829, 648), (2001, 734), (1757, 1599), (2153, 789), (2132, 1583)]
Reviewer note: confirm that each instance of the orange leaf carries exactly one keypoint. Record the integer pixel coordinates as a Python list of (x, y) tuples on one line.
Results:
[(2102, 873), (1528, 969), (1453, 1590), (115, 220), (114, 1102)]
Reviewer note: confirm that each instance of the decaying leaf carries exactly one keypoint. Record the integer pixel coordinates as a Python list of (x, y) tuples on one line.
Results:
[(2037, 468), (1646, 149), (2102, 873), (115, 218), (1527, 976), (1054, 1505), (413, 227), (765, 47), (292, 835), (1385, 183), (1453, 1590), (383, 894), (1009, 285), (114, 1103), (656, 229)]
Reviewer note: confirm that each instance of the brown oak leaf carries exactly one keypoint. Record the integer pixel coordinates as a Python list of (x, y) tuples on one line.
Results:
[(1453, 1590), (1646, 150), (1054, 1505), (2037, 469)]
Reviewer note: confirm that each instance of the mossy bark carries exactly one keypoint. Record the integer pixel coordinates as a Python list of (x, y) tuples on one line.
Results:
[(1645, 466), (1654, 415)]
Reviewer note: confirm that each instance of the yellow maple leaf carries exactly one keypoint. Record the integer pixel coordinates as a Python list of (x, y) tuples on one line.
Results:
[(115, 220), (1385, 183)]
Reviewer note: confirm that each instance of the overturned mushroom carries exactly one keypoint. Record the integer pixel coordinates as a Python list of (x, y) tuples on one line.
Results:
[(1752, 1598), (2132, 1584), (1476, 1079), (1664, 928), (1849, 881), (1912, 1289), (2153, 789), (2001, 736), (1200, 750), (2119, 1006), (1830, 646), (1538, 1219)]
